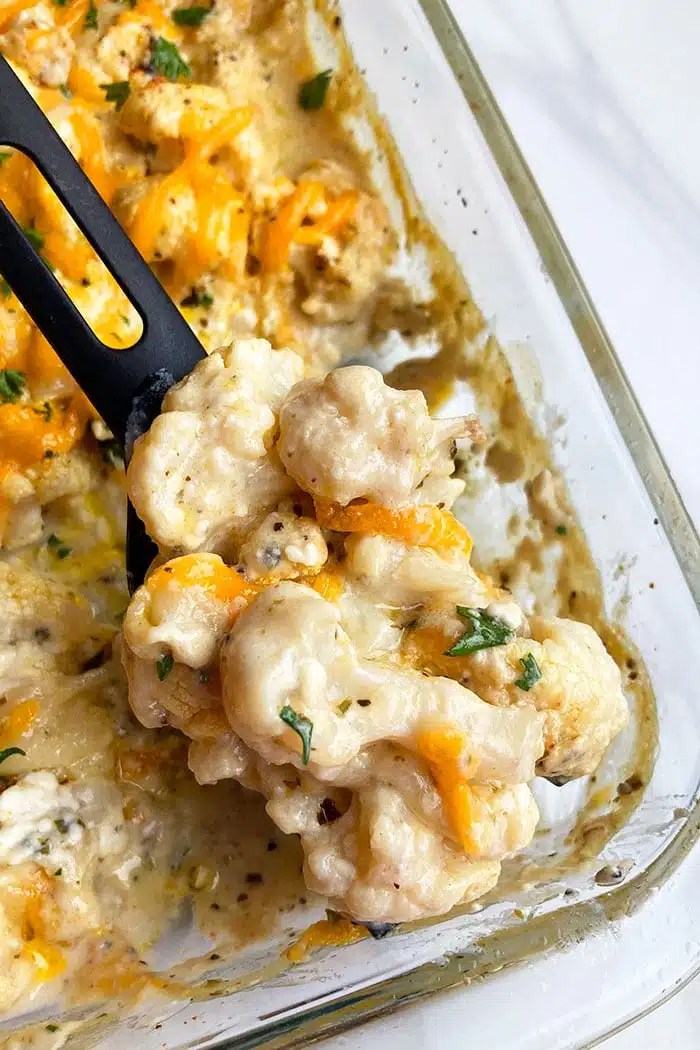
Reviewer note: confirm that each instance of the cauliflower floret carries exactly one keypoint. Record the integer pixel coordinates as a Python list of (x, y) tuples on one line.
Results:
[(288, 649), (204, 472), (182, 610), (67, 475), (579, 692), (45, 49), (159, 110), (17, 333), (341, 274), (388, 570), (122, 48), (349, 435), (381, 863), (179, 699), (284, 546), (178, 214), (43, 624)]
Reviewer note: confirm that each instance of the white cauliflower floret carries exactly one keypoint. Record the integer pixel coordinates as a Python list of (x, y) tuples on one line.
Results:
[(388, 570), (160, 110), (579, 692), (43, 624), (45, 49), (289, 649), (184, 698), (340, 275), (381, 863), (180, 610), (204, 471), (349, 435), (284, 546)]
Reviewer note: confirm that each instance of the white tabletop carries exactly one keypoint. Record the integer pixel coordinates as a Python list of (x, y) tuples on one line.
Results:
[(604, 100)]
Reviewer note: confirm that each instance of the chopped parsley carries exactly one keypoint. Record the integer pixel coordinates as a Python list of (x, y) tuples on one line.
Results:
[(45, 411), (166, 60), (301, 725), (164, 666), (4, 155), (312, 93), (117, 92), (8, 752), (61, 825), (190, 16), (196, 298), (35, 238), (12, 384), (53, 1027), (344, 706), (532, 673), (112, 452), (486, 632), (61, 549), (66, 91), (60, 3), (91, 16), (5, 290), (560, 530)]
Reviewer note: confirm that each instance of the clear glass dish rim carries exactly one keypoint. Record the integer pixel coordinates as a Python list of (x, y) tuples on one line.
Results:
[(372, 1003)]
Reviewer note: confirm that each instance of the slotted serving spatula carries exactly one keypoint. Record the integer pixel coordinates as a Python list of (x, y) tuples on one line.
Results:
[(125, 386)]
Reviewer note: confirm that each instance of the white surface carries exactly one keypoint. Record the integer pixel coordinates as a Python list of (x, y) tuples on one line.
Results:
[(604, 100)]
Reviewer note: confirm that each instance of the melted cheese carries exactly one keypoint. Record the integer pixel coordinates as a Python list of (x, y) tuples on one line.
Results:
[(421, 526), (444, 750), (207, 571)]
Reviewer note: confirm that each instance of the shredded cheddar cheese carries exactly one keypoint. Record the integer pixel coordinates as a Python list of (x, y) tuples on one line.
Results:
[(48, 960), (329, 585), (18, 722), (337, 214), (207, 571), (422, 526), (282, 230), (444, 750), (325, 933)]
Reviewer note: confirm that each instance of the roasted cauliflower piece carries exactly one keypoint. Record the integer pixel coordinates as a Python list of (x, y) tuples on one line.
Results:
[(204, 473), (288, 649), (161, 110), (284, 546), (579, 691), (349, 435), (42, 47)]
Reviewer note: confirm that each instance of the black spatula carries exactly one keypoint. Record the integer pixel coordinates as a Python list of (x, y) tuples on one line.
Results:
[(125, 386)]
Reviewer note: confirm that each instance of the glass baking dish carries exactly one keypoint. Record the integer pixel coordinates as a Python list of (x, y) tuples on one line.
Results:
[(616, 928)]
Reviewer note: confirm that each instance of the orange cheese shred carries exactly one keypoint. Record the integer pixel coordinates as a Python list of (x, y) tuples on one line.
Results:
[(282, 230), (421, 526), (207, 571), (8, 12), (18, 722), (325, 933), (443, 749), (26, 435), (47, 958), (338, 214), (328, 584)]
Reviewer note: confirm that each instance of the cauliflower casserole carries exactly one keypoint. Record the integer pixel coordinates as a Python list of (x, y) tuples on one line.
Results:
[(313, 630)]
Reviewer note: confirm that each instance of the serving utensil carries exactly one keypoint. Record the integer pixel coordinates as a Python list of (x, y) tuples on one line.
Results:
[(125, 386)]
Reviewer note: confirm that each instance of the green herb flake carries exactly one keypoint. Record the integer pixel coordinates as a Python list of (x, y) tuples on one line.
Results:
[(166, 60), (60, 3), (45, 411), (164, 666), (61, 825), (301, 725), (112, 452), (560, 530), (66, 91), (4, 155), (53, 1027), (5, 290), (344, 706), (486, 633), (312, 93), (117, 92), (12, 384), (8, 752), (34, 237), (532, 673), (190, 16), (91, 16), (196, 298), (61, 549)]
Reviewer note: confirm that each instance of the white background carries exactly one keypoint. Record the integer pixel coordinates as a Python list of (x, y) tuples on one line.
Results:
[(603, 97)]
